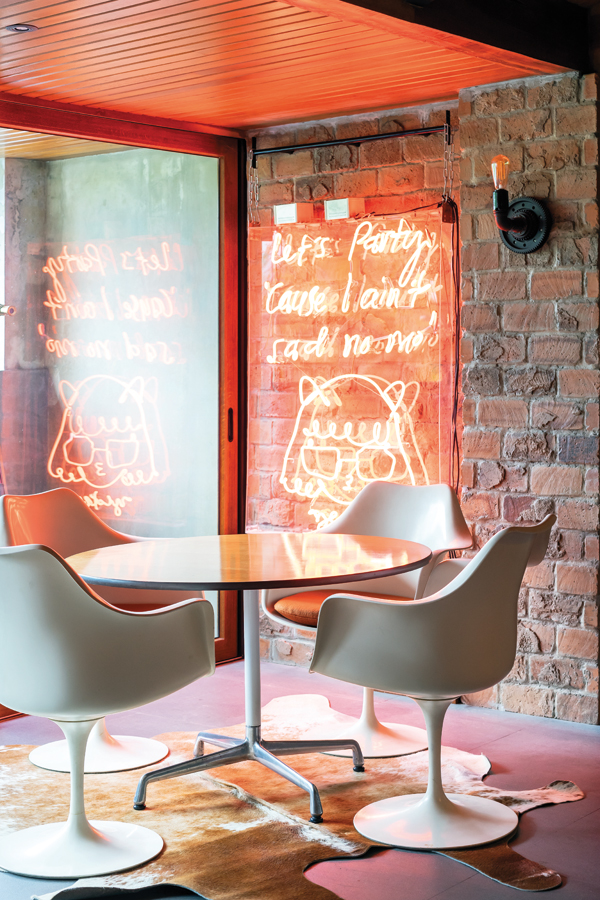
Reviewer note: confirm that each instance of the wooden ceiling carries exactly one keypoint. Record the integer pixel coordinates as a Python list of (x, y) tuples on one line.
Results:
[(238, 64), (29, 145)]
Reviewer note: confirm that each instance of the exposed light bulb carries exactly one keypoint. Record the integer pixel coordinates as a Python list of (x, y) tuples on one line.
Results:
[(500, 167)]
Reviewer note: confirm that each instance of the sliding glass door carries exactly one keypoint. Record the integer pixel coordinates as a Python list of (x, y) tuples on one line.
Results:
[(116, 378)]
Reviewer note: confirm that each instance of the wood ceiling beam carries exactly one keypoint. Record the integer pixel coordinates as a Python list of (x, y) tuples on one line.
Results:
[(539, 36)]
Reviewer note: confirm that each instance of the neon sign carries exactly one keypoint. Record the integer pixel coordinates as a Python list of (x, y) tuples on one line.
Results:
[(349, 325), (109, 434), (332, 455)]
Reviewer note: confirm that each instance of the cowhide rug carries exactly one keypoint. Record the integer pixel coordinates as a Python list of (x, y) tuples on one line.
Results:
[(225, 830)]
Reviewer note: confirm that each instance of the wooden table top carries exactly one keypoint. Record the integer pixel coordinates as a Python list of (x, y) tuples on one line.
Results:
[(249, 561)]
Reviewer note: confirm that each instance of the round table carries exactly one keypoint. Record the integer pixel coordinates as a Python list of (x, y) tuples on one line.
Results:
[(250, 562)]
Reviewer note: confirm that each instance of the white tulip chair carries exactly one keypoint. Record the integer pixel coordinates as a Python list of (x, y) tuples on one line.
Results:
[(429, 515), (457, 641), (61, 520), (70, 657)]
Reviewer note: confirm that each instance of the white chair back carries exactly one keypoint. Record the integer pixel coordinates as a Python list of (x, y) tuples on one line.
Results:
[(66, 654), (457, 641)]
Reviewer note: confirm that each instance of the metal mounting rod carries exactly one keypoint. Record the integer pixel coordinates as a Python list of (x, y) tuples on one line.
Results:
[(434, 129)]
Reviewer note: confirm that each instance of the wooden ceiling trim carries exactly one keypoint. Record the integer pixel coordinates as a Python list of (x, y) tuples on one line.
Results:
[(43, 116), (340, 9)]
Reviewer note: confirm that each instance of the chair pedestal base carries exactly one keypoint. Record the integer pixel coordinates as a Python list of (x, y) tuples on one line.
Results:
[(383, 740), (419, 824), (377, 739), (104, 753), (62, 851)]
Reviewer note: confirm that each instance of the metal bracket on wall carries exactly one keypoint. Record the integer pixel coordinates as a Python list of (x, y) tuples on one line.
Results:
[(357, 141)]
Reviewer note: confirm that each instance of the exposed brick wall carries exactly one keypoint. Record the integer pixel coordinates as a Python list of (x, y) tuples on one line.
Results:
[(530, 376), (529, 348)]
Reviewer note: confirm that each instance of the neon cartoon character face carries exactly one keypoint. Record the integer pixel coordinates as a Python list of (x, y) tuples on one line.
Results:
[(109, 434), (333, 452)]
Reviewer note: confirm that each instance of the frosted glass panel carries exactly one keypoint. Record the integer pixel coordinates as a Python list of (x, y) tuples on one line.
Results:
[(111, 380)]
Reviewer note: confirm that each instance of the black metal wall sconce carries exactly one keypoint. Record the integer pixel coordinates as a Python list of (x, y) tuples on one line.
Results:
[(524, 223)]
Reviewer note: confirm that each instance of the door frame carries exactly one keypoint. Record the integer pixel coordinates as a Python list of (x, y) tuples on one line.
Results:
[(27, 114)]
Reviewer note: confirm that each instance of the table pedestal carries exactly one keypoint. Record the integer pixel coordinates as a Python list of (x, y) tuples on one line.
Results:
[(253, 747)]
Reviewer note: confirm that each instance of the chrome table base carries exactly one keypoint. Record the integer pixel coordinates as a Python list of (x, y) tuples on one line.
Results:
[(253, 748)]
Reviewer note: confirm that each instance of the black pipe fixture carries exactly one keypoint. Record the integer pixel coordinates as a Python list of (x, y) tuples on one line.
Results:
[(524, 223)]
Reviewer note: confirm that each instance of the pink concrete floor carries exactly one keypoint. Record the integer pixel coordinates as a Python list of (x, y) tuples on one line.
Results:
[(525, 752)]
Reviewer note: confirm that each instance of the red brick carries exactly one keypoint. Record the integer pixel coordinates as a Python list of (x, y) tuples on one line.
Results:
[(531, 701), (466, 350), (289, 165), (419, 148), (585, 314), (540, 576), (591, 481), (556, 416), (397, 179), (380, 153), (277, 192), (475, 197), (479, 318), (478, 133), (499, 100), (464, 106), (576, 184), (480, 256), (276, 512), (556, 285), (590, 213), (578, 514), (466, 289), (557, 672), (259, 431), (292, 653), (555, 607), (578, 382), (576, 579), (561, 350), (535, 637), (592, 547), (502, 413), (487, 699), (487, 230), (525, 126), (551, 481), (356, 184), (577, 643), (528, 317), (467, 473), (481, 444), (466, 228), (552, 154), (554, 93), (590, 152), (352, 128), (576, 120), (591, 285), (469, 411), (502, 286), (589, 87), (591, 416), (479, 506), (577, 708)]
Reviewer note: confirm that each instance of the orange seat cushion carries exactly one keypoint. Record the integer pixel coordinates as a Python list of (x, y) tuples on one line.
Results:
[(304, 608)]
